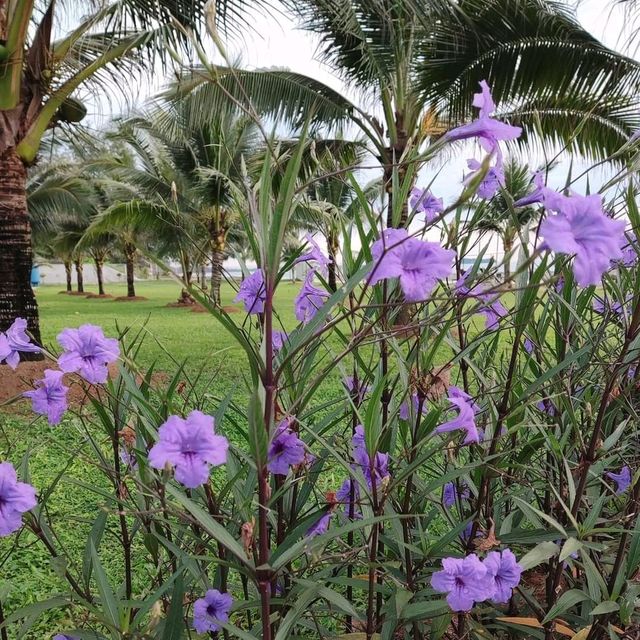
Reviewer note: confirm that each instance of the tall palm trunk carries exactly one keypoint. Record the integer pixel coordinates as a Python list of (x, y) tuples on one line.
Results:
[(68, 274), (16, 295), (79, 274), (217, 258), (130, 255), (99, 265), (332, 249), (391, 161)]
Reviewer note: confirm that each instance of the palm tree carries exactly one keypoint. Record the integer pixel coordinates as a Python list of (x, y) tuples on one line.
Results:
[(498, 214), (420, 64), (39, 74)]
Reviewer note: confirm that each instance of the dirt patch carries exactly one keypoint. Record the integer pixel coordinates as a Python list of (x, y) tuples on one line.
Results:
[(75, 293), (198, 308), (98, 296), (65, 293), (14, 383), (130, 299)]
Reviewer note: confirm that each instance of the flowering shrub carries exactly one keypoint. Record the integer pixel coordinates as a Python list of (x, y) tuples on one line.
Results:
[(474, 480)]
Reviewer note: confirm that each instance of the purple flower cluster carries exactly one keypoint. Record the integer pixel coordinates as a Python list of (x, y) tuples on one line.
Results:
[(465, 419), (319, 527), (252, 292), (88, 352), (492, 180), (210, 611), (16, 498), (417, 264), (14, 342), (469, 580), (49, 398), (425, 202), (190, 446), (309, 299), (286, 449), (451, 495), (63, 636)]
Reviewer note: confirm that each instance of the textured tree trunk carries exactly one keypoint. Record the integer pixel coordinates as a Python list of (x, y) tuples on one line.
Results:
[(99, 264), (130, 255), (16, 295), (79, 275), (217, 258), (67, 272), (391, 162), (332, 248), (507, 241)]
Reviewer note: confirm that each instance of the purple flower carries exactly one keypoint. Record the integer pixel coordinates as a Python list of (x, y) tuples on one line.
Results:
[(405, 410), (546, 406), (464, 420), (190, 446), (451, 495), (16, 498), (359, 393), (622, 479), (344, 496), (492, 309), (424, 201), (380, 467), (416, 263), (309, 300), (286, 449), (87, 351), (252, 292), (15, 341), (320, 526), (278, 339), (609, 306), (210, 611), (488, 130), (50, 396), (582, 228), (128, 458), (629, 253), (505, 572), (492, 181), (493, 313), (465, 581), (456, 392), (315, 255), (62, 636), (528, 346), (539, 194)]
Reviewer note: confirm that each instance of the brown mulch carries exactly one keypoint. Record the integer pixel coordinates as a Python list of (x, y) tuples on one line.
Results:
[(198, 308), (75, 293), (99, 296), (130, 299), (14, 383)]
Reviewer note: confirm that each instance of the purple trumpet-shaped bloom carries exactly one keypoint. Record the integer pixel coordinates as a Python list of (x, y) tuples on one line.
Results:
[(464, 420), (63, 636), (380, 468), (319, 527), (405, 410), (417, 264), (16, 498), (505, 572), (539, 194), (190, 446), (252, 292), (49, 398), (492, 309), (286, 449), (14, 342), (315, 255), (88, 352), (492, 181), (465, 581), (425, 202), (581, 228), (622, 479), (278, 339), (359, 393), (309, 300), (629, 252), (451, 495), (210, 611), (528, 346), (344, 496), (488, 130), (456, 392)]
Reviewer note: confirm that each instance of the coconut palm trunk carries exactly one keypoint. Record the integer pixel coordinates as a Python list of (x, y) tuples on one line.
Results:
[(79, 275), (17, 298), (99, 275), (130, 255), (217, 258), (332, 249), (68, 265)]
